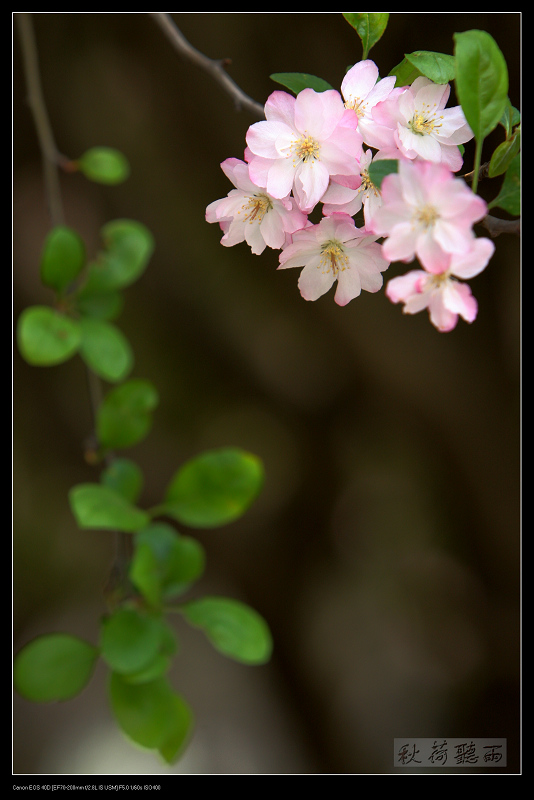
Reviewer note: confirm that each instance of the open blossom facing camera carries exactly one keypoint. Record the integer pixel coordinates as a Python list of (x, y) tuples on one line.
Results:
[(361, 91), (426, 213), (423, 127), (302, 142), (249, 214), (445, 297), (335, 250)]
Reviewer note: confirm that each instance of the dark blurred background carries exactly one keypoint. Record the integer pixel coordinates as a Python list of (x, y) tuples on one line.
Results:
[(384, 549)]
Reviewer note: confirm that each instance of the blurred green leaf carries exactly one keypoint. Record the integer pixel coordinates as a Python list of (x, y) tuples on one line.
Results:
[(214, 488), (164, 563), (152, 715), (234, 629), (369, 27), (54, 667), (124, 477), (481, 80), (297, 81), (62, 259), (509, 198), (104, 165), (131, 640), (125, 415), (105, 349), (45, 337), (98, 507), (128, 247), (103, 305), (379, 169)]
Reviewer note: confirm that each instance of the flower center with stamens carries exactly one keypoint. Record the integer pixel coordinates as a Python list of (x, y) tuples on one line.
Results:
[(357, 105), (426, 216), (306, 149), (256, 208), (367, 185), (333, 257), (424, 122)]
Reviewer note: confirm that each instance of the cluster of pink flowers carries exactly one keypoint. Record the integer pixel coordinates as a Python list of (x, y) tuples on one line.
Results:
[(316, 148)]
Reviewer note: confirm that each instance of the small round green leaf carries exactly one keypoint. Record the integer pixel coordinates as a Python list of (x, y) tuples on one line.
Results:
[(234, 629), (130, 640), (214, 488), (104, 165), (54, 667), (124, 417), (101, 508), (45, 337), (151, 714), (105, 349), (63, 258), (124, 477), (509, 198), (128, 246), (165, 564)]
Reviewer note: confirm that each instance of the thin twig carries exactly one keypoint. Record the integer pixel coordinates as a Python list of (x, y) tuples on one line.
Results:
[(49, 151), (213, 67)]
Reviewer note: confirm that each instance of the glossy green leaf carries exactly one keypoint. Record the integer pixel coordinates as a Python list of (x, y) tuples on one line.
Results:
[(164, 563), (379, 169), (481, 80), (151, 714), (45, 337), (104, 165), (54, 667), (124, 477), (214, 488), (369, 27), (105, 349), (297, 81), (509, 198), (234, 629), (128, 246), (98, 507), (504, 154), (125, 415), (62, 259)]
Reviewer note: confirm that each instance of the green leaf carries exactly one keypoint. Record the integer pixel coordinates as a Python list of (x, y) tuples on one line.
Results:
[(124, 417), (504, 154), (54, 667), (369, 27), (124, 477), (104, 305), (151, 714), (379, 169), (131, 640), (98, 507), (214, 488), (63, 258), (234, 629), (128, 247), (438, 67), (481, 80), (105, 349), (509, 198), (45, 337), (297, 81), (104, 165), (165, 564), (405, 73)]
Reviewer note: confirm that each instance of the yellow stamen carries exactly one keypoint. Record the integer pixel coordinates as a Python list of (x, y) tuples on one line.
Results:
[(334, 258)]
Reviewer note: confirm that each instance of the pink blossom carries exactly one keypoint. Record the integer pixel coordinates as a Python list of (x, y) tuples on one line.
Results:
[(335, 250), (361, 91), (423, 127), (444, 296), (250, 214), (350, 201), (302, 142), (426, 213)]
